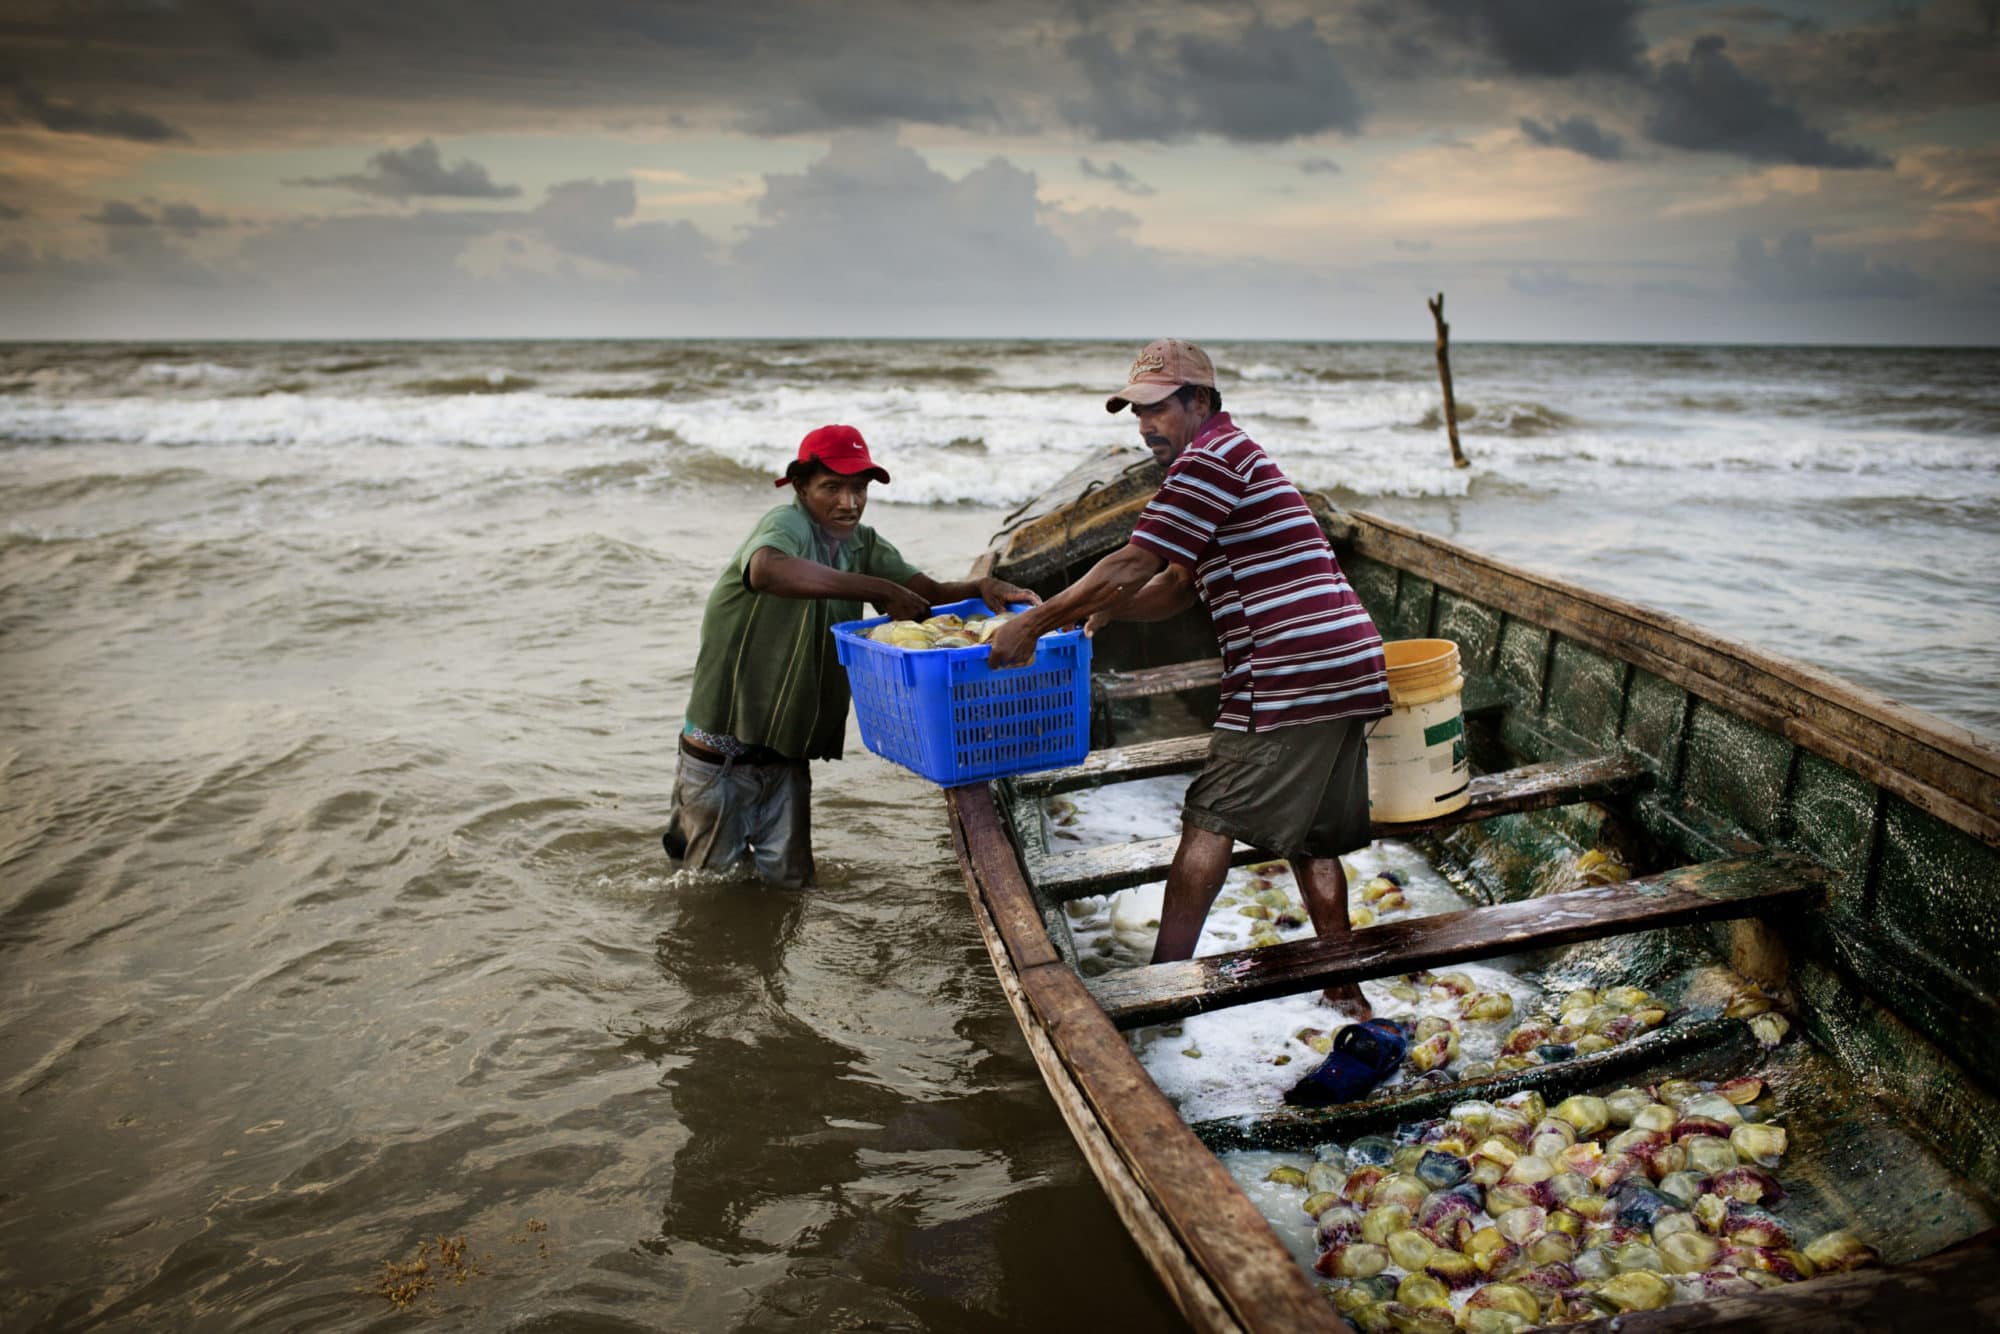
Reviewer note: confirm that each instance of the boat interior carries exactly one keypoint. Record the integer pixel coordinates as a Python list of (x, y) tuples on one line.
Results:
[(1789, 882)]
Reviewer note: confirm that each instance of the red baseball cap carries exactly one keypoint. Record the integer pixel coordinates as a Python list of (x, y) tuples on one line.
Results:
[(840, 448)]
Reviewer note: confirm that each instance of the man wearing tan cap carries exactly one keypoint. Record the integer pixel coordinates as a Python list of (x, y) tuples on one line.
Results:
[(1302, 662)]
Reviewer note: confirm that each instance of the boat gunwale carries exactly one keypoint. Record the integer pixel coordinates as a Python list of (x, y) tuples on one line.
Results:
[(1948, 770), (1266, 1290)]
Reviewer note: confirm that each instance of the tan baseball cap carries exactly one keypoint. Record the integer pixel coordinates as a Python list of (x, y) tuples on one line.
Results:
[(1162, 366)]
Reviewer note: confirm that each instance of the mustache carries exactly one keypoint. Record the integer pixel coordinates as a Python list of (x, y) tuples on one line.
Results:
[(1157, 441)]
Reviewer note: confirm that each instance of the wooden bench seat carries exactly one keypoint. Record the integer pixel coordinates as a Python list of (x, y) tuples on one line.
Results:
[(1105, 870), (1148, 681), (1710, 891), (1120, 764)]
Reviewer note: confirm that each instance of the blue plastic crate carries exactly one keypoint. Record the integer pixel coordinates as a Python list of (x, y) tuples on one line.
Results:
[(947, 716)]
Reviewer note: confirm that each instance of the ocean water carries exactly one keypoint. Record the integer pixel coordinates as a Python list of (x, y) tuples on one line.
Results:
[(338, 685)]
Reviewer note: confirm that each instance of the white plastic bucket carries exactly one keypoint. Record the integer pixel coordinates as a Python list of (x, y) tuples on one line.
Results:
[(1416, 756)]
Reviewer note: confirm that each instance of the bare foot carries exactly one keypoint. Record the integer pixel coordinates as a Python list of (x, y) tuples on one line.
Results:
[(1349, 1001)]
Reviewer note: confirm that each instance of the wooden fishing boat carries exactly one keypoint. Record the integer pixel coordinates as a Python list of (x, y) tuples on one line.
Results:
[(1839, 850)]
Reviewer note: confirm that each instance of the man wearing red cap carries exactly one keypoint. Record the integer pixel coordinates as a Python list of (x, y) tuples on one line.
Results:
[(1302, 662), (769, 693)]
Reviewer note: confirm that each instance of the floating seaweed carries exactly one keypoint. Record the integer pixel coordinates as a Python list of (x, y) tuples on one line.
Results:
[(446, 1258)]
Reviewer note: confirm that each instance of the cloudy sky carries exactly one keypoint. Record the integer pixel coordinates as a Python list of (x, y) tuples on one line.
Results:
[(1561, 169)]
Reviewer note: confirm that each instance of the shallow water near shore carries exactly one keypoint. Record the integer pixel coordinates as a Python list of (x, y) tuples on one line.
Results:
[(337, 922), (337, 694)]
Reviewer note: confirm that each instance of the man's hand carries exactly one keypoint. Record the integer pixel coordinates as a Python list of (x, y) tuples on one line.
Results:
[(1012, 645), (998, 594), (903, 604), (1098, 620), (1102, 588)]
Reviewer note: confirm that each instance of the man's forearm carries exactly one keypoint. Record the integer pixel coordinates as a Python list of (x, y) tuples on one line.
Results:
[(791, 577), (1161, 596), (1111, 580)]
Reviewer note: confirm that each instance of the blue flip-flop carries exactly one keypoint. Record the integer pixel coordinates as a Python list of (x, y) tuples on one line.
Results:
[(1363, 1056)]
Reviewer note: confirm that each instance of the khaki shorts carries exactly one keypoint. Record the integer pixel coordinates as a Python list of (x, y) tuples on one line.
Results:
[(1298, 791)]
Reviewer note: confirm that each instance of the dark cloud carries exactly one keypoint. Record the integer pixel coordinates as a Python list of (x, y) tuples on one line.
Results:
[(1270, 85), (138, 248), (1410, 247), (186, 218), (1579, 134), (362, 246), (183, 218), (1706, 104), (767, 66), (1797, 270), (1537, 38), (1205, 67), (1678, 288), (869, 238), (118, 213), (1550, 283), (418, 171), (576, 220), (583, 218), (873, 216), (1941, 56), (8, 212), (1115, 173), (281, 32), (1318, 166), (69, 118), (577, 251), (1754, 16), (888, 90)]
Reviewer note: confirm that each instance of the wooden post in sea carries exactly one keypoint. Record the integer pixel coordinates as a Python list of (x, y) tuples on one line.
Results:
[(1458, 459)]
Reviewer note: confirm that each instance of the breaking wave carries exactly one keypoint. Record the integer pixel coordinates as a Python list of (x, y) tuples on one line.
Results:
[(1521, 420), (493, 382), (715, 469), (966, 422)]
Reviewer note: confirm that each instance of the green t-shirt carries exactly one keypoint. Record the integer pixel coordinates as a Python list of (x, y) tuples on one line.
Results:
[(767, 673)]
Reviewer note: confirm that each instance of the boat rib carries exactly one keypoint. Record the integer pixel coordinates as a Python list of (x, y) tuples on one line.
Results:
[(1105, 870), (1705, 892)]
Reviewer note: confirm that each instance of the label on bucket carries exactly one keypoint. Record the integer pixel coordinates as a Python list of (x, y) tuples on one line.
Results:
[(1444, 731), (1416, 761)]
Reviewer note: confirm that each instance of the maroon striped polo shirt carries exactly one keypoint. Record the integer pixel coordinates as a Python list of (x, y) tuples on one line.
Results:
[(1297, 645)]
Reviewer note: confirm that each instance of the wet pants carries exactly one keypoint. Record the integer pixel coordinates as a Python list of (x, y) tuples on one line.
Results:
[(725, 812)]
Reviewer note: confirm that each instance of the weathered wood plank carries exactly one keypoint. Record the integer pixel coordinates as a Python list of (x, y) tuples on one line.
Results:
[(1106, 686), (1939, 767), (1705, 1049), (1105, 870), (1228, 1239), (1951, 1290), (993, 870), (1064, 876), (1122, 764), (1706, 892), (1192, 1290), (1534, 787)]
